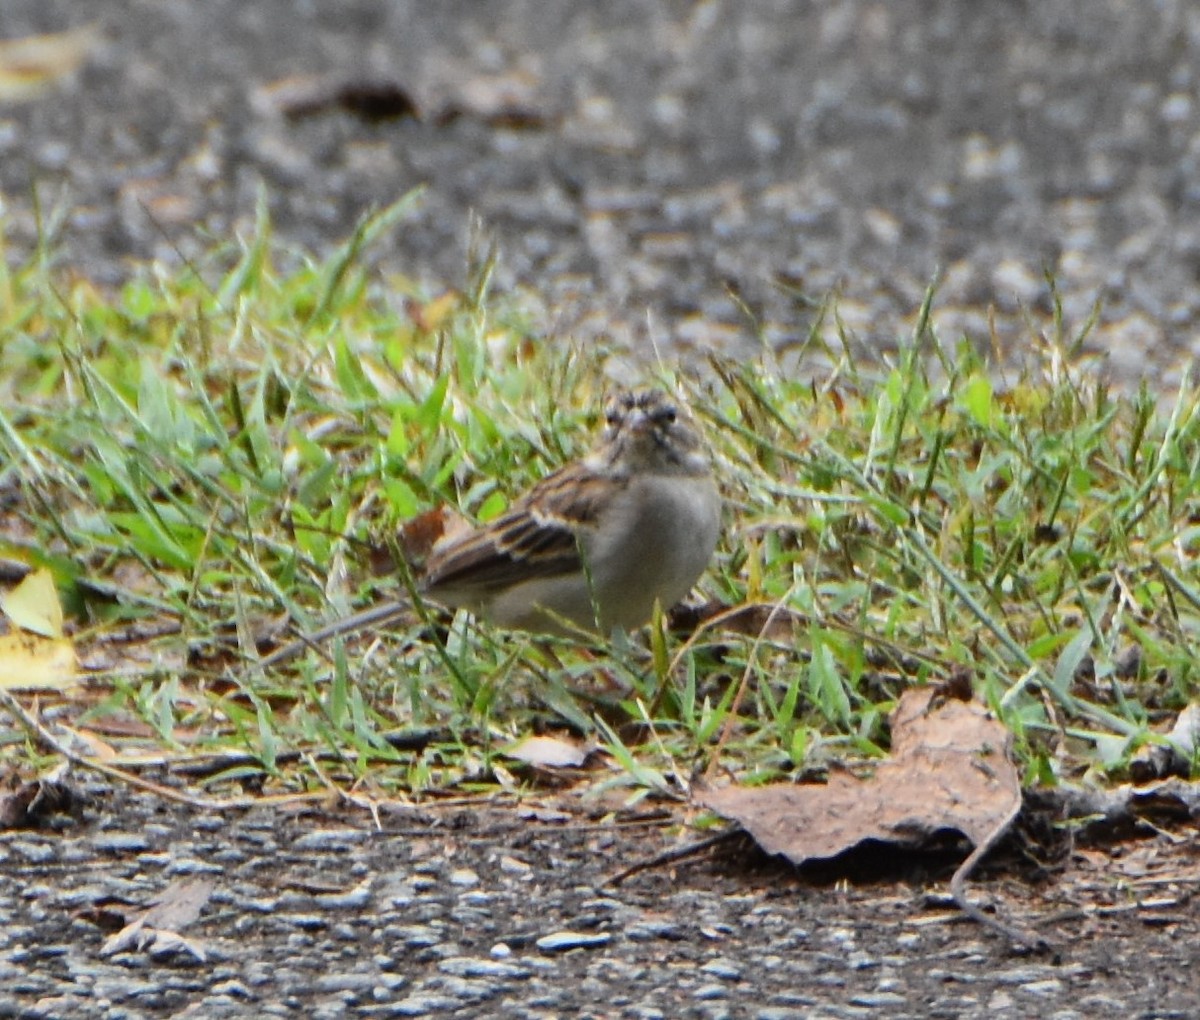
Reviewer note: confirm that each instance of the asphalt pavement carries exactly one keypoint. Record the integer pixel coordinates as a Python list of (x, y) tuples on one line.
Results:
[(676, 172)]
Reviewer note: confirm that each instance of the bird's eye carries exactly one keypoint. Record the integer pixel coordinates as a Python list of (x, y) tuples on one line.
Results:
[(666, 416)]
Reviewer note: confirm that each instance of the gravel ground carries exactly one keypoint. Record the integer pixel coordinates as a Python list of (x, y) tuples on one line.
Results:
[(493, 913), (662, 156)]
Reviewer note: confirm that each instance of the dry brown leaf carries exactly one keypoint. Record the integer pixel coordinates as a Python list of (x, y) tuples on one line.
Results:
[(548, 752), (370, 99), (89, 743), (1112, 813), (511, 101), (950, 769), (16, 804), (430, 316), (31, 64), (29, 804), (766, 620), (157, 929), (1176, 755), (417, 537), (420, 536)]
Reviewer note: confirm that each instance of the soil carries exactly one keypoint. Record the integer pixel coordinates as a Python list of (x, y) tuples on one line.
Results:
[(679, 172)]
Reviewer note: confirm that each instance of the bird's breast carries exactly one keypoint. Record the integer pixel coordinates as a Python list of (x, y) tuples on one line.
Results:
[(661, 536)]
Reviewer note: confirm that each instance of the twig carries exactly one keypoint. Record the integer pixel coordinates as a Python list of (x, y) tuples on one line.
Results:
[(669, 857), (376, 617), (209, 763), (958, 890), (41, 734), (363, 803)]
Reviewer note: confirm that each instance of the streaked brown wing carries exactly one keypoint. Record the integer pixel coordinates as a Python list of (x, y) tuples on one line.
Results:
[(537, 537), (513, 548)]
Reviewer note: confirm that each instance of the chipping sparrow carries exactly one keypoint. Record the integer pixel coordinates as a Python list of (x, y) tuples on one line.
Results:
[(592, 546)]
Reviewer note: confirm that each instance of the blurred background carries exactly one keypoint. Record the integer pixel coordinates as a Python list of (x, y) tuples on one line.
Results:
[(688, 173)]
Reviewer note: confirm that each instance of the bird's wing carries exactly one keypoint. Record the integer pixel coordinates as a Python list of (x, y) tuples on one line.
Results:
[(539, 536)]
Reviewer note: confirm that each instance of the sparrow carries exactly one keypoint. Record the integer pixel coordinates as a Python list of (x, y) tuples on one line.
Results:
[(591, 547)]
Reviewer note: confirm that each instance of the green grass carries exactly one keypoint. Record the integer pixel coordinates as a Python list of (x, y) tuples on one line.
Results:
[(212, 451)]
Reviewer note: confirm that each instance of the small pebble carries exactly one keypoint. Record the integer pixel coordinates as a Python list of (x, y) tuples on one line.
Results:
[(563, 940)]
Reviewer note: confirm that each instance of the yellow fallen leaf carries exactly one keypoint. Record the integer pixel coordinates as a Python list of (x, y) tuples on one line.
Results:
[(31, 64), (33, 605), (28, 662)]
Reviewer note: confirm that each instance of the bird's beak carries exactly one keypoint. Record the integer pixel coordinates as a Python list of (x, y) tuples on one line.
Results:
[(638, 423)]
